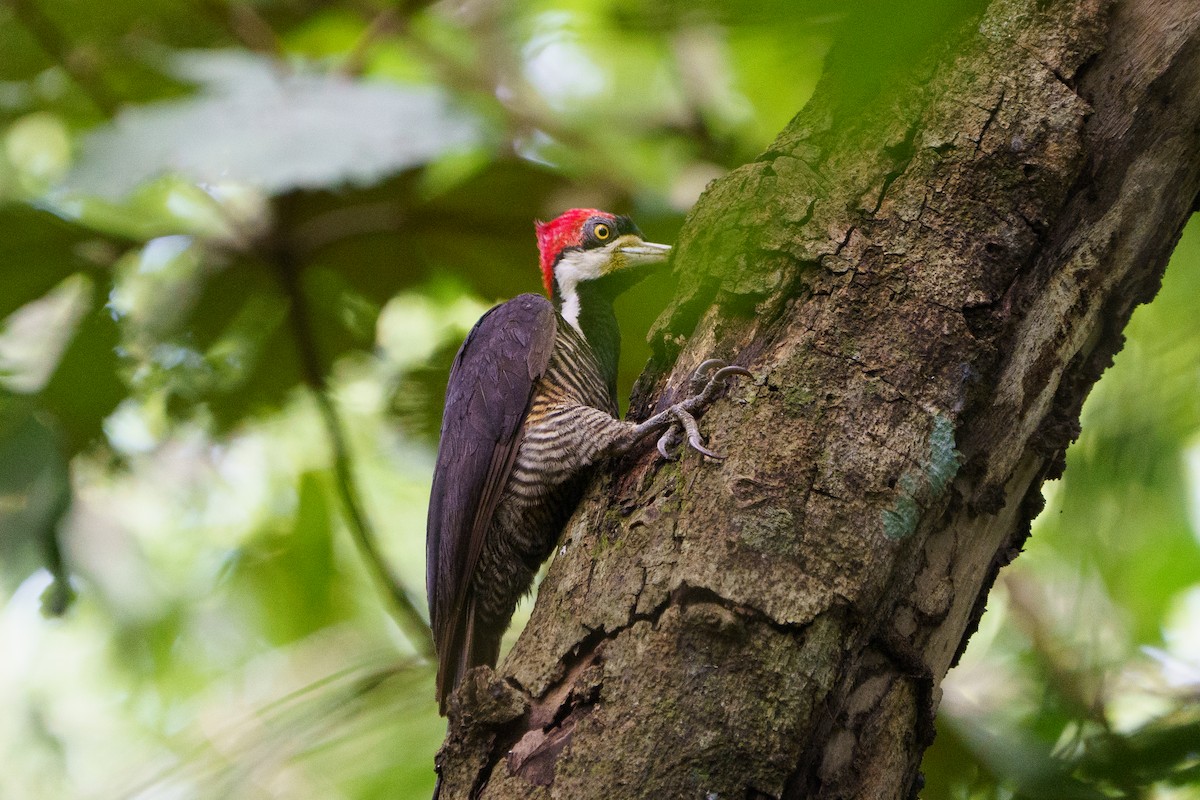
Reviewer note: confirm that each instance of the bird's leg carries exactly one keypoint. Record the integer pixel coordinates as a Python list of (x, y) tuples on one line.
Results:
[(679, 420)]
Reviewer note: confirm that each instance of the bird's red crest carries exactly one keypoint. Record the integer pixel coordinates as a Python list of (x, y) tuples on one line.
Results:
[(565, 230)]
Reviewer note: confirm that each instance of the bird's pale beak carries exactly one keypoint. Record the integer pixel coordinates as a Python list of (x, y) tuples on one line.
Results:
[(638, 253)]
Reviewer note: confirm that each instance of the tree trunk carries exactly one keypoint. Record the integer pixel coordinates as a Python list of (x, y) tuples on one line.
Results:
[(927, 278)]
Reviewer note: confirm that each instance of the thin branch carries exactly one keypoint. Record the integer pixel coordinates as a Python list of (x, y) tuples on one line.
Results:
[(247, 26), (383, 23), (1084, 697), (346, 222), (59, 596), (360, 526), (59, 47)]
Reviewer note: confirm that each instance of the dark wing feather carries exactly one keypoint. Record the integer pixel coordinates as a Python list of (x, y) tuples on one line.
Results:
[(487, 399)]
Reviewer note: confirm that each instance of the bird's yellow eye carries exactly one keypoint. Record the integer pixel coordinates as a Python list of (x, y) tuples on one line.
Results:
[(601, 231)]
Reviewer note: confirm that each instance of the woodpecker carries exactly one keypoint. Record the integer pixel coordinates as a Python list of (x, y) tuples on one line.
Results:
[(530, 408)]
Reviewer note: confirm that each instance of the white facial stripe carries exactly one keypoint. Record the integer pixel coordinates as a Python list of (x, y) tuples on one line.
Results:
[(574, 267), (582, 265), (570, 309)]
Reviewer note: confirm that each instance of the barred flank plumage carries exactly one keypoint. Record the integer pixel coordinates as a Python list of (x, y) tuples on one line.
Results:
[(547, 476)]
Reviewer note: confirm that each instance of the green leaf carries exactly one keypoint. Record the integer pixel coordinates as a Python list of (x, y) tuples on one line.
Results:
[(37, 252), (58, 350), (1164, 750), (86, 387)]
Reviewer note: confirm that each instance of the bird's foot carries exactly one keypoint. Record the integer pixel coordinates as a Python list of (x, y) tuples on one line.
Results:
[(706, 382)]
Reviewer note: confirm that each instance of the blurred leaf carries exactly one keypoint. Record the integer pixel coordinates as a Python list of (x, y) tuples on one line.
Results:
[(59, 350), (167, 206), (346, 315), (418, 397), (419, 334), (34, 337), (293, 571), (1022, 764), (37, 252), (34, 494), (1165, 750), (39, 149), (86, 387), (199, 329), (271, 126)]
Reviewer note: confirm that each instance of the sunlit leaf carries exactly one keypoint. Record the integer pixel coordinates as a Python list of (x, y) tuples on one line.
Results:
[(34, 337), (165, 206)]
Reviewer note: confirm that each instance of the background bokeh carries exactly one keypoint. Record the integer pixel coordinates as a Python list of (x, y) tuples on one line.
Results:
[(239, 244)]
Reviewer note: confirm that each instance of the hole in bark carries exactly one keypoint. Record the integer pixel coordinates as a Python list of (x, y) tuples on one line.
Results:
[(1030, 170), (993, 249), (981, 322)]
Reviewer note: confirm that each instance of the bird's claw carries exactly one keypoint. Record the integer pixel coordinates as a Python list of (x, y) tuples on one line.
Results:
[(668, 442), (700, 376), (683, 424), (688, 423), (703, 385)]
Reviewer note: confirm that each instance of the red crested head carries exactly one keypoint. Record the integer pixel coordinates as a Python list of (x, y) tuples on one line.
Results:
[(565, 230)]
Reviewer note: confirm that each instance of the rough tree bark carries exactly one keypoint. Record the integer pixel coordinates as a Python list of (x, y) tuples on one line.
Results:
[(928, 281)]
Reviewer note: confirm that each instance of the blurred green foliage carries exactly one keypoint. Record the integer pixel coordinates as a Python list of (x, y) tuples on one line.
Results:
[(210, 210)]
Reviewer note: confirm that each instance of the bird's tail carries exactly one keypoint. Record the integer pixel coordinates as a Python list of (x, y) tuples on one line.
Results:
[(471, 646)]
